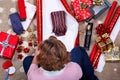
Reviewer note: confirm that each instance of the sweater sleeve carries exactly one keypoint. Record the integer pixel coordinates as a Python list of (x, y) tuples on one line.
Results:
[(32, 70)]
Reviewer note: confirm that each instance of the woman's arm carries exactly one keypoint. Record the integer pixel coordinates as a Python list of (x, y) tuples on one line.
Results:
[(35, 57)]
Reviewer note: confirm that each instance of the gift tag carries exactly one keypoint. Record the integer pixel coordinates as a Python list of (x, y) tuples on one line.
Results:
[(30, 11)]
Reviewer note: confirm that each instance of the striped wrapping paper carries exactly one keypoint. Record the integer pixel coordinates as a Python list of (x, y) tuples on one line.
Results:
[(59, 23)]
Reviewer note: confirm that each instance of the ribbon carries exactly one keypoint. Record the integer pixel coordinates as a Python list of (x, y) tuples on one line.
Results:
[(101, 29), (5, 45)]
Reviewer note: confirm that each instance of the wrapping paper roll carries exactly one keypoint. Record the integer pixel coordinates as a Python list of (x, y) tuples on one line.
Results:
[(114, 19), (92, 55), (39, 19), (110, 12), (22, 10)]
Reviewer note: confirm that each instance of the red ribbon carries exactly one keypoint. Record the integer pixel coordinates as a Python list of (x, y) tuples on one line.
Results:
[(102, 29)]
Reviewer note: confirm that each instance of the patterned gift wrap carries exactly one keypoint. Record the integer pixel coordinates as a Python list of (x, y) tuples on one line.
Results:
[(81, 9), (8, 44)]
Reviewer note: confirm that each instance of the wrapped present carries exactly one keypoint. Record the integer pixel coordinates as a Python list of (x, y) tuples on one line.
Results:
[(113, 55), (104, 42), (8, 44), (81, 9), (98, 10)]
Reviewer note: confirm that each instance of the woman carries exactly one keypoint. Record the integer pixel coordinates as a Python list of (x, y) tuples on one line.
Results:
[(52, 62)]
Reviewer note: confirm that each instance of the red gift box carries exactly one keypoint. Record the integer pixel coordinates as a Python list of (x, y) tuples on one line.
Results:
[(80, 8), (8, 44)]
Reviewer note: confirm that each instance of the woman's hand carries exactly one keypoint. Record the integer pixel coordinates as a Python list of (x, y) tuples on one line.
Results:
[(35, 57)]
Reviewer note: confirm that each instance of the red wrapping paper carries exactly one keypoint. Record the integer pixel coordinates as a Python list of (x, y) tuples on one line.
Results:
[(114, 19), (96, 59), (39, 19), (12, 41), (81, 12), (110, 12), (93, 53), (22, 10)]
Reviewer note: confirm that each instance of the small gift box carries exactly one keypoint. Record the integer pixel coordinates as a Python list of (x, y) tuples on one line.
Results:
[(113, 55), (98, 10), (104, 42), (80, 8), (8, 44)]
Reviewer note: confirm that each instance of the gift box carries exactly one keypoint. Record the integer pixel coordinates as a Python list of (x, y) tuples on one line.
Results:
[(80, 8), (104, 42), (8, 44), (98, 10), (113, 55)]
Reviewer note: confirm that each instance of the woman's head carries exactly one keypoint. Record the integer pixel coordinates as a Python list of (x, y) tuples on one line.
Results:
[(53, 54)]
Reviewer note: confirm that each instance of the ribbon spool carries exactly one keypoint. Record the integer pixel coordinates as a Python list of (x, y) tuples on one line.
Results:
[(7, 64)]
